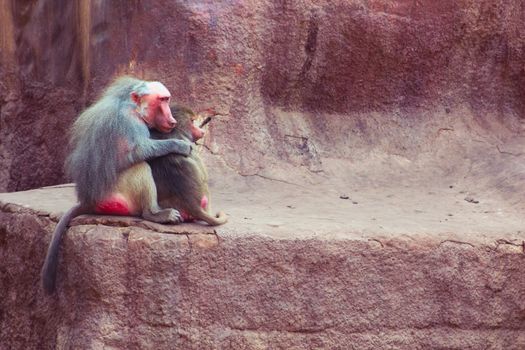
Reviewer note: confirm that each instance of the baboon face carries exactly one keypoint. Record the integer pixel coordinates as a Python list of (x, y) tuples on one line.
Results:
[(197, 133), (154, 107)]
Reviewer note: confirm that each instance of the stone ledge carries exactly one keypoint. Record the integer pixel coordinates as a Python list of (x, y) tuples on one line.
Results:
[(131, 287)]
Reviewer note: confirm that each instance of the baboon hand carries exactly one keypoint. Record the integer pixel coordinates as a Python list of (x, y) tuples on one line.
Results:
[(181, 147), (175, 217)]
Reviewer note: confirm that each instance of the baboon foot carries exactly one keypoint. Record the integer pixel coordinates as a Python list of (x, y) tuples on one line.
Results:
[(164, 216)]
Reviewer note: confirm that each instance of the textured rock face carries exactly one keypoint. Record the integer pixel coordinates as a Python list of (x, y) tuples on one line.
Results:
[(408, 108), (128, 288), (297, 81)]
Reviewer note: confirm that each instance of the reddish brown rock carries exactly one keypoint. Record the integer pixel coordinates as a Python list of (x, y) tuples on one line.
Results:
[(405, 107), (383, 276), (297, 82)]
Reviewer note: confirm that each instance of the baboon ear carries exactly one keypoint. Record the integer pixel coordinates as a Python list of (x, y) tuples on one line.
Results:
[(135, 98)]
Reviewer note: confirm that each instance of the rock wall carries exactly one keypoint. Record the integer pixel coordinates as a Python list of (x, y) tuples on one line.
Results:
[(297, 81), (130, 288), (423, 98)]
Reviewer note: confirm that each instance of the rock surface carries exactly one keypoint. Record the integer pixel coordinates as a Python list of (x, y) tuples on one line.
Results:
[(371, 156), (298, 82), (278, 275)]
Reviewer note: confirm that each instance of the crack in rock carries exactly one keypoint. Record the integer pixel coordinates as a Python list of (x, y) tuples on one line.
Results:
[(455, 242)]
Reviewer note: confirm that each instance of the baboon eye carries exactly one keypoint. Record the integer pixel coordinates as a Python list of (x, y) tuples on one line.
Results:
[(164, 99)]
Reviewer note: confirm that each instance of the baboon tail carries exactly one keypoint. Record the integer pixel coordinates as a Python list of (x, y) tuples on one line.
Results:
[(49, 270), (219, 219)]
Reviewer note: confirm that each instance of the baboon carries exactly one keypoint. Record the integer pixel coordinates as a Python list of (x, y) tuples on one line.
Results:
[(182, 182), (111, 139)]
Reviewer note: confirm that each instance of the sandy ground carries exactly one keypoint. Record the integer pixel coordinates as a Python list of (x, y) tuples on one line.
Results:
[(437, 211), (466, 186), (317, 207)]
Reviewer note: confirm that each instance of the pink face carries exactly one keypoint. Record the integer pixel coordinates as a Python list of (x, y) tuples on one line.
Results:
[(196, 132), (155, 109)]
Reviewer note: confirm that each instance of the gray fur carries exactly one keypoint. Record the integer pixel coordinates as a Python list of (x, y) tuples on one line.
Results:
[(94, 163)]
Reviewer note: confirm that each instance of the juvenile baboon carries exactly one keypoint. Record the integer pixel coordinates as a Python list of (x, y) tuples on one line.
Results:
[(182, 182), (111, 139)]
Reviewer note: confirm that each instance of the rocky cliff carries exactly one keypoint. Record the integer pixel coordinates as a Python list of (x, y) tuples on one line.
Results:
[(370, 154), (298, 82)]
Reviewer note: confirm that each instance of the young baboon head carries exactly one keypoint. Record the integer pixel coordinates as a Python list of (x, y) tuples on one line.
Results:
[(188, 122)]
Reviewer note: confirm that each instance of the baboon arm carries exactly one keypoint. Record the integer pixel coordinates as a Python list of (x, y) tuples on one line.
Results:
[(150, 149)]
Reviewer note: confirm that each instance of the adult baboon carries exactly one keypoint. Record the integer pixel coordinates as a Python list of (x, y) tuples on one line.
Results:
[(109, 139)]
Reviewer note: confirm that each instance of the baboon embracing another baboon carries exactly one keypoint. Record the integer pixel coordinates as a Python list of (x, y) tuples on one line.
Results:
[(110, 143)]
